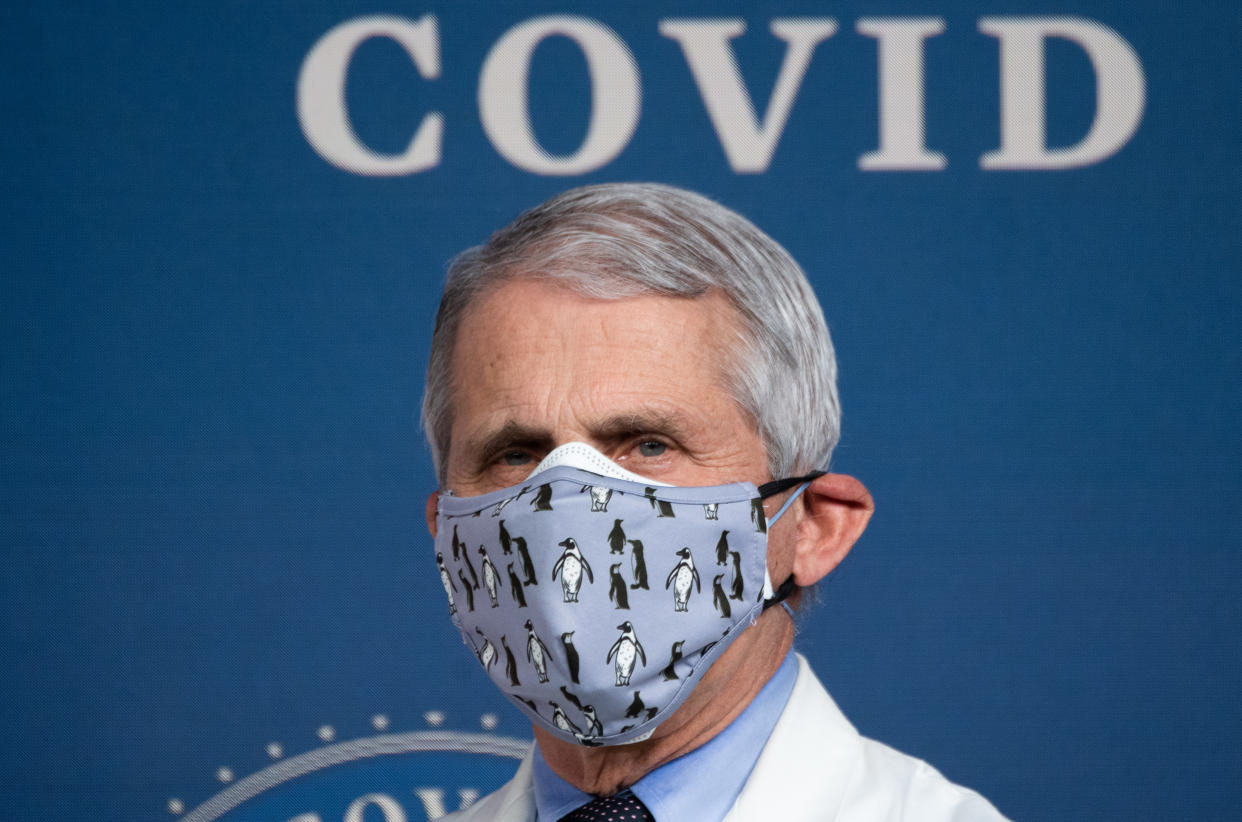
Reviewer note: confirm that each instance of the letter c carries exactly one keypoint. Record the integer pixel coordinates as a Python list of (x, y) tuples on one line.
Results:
[(322, 111)]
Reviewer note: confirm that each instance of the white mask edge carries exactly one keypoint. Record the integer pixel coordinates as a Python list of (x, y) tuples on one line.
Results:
[(582, 456)]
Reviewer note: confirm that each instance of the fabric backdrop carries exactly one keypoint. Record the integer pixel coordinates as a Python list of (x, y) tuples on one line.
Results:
[(226, 226)]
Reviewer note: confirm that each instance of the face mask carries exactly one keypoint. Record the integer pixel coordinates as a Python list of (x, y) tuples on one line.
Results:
[(596, 599)]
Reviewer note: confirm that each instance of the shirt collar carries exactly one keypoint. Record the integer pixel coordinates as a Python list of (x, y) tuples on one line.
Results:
[(702, 784)]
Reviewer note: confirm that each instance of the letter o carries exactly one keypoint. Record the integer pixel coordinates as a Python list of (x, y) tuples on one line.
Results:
[(387, 805), (504, 99)]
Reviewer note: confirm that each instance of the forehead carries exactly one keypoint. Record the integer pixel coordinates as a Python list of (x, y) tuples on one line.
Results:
[(537, 350)]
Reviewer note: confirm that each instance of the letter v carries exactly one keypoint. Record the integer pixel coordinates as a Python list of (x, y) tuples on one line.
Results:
[(748, 144)]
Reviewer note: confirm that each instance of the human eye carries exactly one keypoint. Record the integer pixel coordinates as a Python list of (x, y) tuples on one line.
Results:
[(513, 458), (509, 464), (652, 448), (647, 453)]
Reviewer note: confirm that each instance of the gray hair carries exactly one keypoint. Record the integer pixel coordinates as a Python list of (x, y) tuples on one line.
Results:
[(620, 240)]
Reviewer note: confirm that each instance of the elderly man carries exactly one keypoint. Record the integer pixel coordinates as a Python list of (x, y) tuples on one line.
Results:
[(630, 400)]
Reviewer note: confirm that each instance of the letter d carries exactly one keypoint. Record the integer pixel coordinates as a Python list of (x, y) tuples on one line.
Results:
[(1120, 92)]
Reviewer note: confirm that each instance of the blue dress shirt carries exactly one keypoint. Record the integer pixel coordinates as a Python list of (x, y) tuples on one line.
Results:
[(703, 784)]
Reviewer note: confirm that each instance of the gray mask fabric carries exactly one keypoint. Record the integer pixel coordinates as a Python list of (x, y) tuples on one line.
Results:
[(596, 603)]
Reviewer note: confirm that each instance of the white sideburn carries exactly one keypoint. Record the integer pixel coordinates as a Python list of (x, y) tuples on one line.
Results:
[(583, 457)]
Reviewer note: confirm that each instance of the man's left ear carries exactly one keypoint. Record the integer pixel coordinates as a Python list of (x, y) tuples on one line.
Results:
[(432, 503), (836, 508)]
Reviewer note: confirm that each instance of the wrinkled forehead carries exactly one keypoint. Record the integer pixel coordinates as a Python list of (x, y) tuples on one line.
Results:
[(554, 307), (533, 341), (549, 308)]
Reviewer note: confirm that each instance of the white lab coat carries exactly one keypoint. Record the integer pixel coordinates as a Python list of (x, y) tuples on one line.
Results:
[(814, 768)]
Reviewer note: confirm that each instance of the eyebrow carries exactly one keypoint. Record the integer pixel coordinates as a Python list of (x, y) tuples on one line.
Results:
[(509, 435), (619, 426), (615, 427)]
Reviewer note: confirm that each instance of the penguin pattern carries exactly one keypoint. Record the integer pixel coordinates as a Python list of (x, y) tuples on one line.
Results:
[(616, 539), (571, 697), (599, 497), (757, 516), (536, 652), (544, 683), (571, 565), (638, 564), (636, 708), (447, 582), (510, 663), (486, 653), (664, 508), (681, 578), (465, 558), (571, 655), (491, 579), (528, 567), (515, 588), (560, 720), (543, 498), (627, 650), (465, 584), (503, 504), (617, 590), (670, 673), (719, 600), (593, 726), (739, 589)]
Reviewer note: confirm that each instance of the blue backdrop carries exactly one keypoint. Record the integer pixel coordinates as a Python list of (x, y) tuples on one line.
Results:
[(218, 599)]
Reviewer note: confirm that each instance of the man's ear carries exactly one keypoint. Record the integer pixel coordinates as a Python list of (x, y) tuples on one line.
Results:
[(836, 509), (433, 501)]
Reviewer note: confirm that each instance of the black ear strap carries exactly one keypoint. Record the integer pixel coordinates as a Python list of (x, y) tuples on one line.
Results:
[(774, 487), (782, 593), (769, 489)]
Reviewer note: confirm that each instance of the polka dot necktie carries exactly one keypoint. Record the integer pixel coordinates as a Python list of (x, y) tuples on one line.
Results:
[(621, 807)]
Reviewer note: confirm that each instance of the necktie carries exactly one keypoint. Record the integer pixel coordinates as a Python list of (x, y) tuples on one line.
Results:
[(621, 807)]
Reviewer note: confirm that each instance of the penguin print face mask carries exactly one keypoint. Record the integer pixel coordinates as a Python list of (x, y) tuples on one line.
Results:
[(596, 599)]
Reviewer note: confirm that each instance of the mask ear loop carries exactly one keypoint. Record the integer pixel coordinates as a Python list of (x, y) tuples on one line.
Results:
[(780, 511), (771, 597)]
